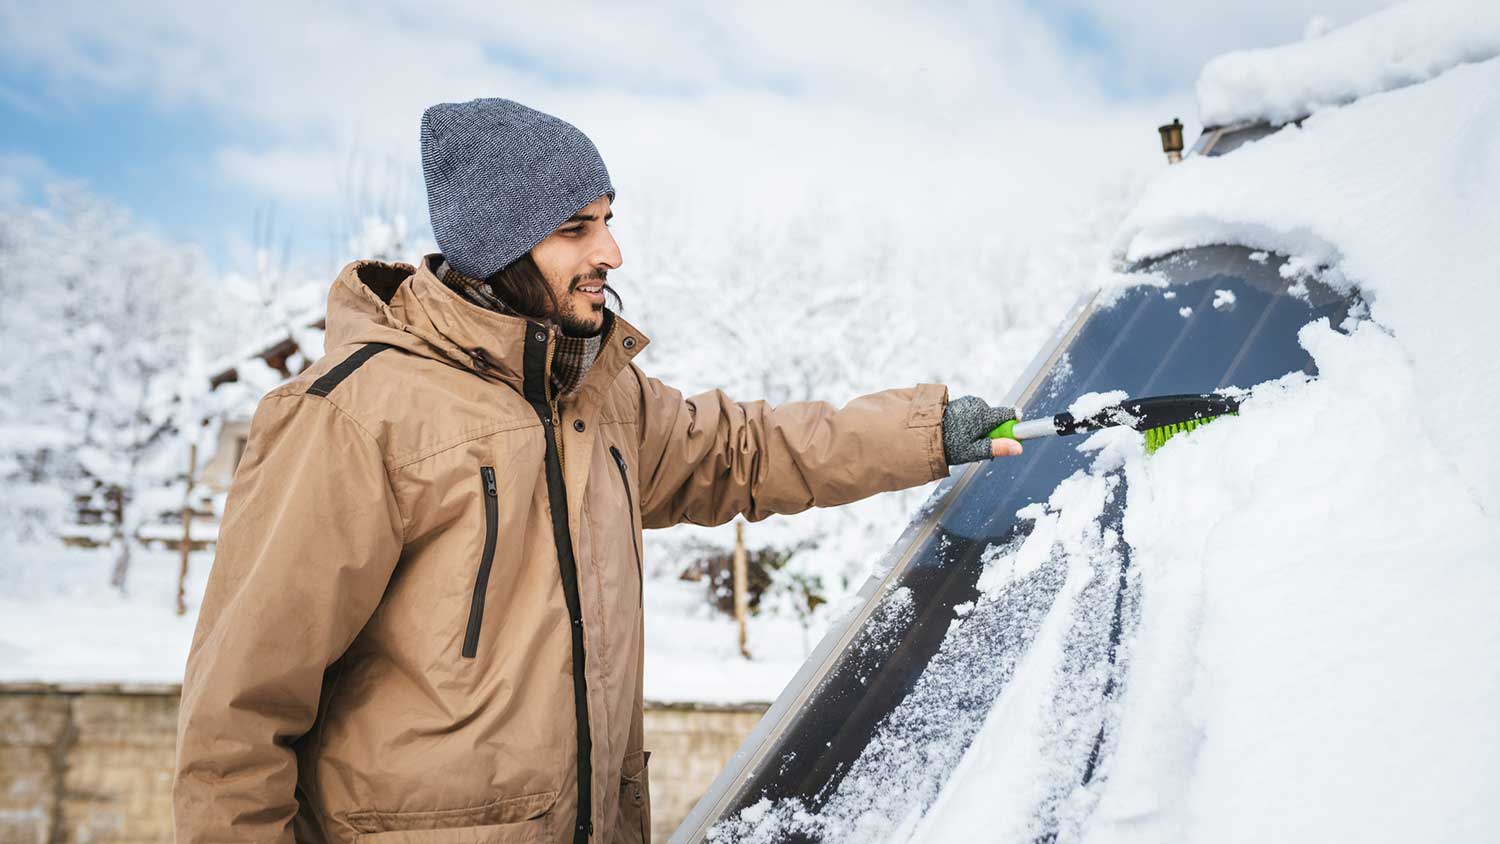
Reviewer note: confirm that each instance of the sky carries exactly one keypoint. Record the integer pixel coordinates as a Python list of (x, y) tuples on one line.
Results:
[(283, 124)]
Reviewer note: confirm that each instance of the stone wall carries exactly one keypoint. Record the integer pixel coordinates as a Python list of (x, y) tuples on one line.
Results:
[(689, 746), (93, 763)]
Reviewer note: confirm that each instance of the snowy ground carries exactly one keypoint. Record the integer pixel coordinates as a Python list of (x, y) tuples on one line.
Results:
[(61, 622), (692, 651)]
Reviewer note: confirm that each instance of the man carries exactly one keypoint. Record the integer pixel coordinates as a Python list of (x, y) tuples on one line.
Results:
[(423, 623)]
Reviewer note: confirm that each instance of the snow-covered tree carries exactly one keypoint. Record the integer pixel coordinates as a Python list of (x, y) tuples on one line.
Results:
[(99, 312)]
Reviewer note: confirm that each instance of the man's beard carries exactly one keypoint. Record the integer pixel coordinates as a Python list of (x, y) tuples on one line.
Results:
[(584, 325)]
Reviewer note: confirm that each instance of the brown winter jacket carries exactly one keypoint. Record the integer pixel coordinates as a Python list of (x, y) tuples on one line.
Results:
[(423, 623)]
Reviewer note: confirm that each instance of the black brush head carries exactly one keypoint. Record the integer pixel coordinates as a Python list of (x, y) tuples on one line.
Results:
[(1154, 412)]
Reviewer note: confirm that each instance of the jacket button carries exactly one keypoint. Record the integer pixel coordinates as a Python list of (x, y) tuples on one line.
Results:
[(540, 337), (578, 425), (628, 343)]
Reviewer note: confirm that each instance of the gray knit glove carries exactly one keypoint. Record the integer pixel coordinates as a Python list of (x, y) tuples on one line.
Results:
[(966, 421)]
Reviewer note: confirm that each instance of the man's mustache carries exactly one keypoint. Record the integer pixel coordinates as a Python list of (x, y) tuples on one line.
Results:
[(596, 275)]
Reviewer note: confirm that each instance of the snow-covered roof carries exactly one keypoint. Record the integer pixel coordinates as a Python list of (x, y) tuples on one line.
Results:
[(1403, 45), (302, 328)]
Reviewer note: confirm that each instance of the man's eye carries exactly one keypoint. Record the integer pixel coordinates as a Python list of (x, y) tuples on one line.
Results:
[(572, 230)]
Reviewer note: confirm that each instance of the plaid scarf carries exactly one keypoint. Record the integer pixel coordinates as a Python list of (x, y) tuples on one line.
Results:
[(572, 356)]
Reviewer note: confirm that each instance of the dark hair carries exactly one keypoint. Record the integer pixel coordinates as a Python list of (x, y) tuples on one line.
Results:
[(521, 286)]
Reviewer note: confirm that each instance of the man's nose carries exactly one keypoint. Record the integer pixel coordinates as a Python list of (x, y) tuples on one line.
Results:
[(608, 254)]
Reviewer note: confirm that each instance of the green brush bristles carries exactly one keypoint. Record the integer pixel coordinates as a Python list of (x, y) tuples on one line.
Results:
[(1158, 436)]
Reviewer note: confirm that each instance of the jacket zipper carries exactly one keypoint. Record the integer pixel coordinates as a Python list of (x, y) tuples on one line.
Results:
[(640, 572), (557, 438), (552, 404), (539, 396), (482, 579)]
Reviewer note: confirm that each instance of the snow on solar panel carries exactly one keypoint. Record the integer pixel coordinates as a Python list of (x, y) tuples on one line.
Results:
[(861, 749)]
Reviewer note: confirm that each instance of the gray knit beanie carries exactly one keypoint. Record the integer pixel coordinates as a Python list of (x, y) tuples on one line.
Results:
[(501, 177)]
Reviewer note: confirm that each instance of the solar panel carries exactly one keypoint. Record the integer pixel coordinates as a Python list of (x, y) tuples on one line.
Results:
[(862, 741)]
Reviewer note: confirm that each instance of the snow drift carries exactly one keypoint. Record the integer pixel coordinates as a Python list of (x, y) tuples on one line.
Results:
[(1403, 45)]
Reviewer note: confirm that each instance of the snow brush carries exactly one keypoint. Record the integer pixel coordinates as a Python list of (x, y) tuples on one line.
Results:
[(1158, 417)]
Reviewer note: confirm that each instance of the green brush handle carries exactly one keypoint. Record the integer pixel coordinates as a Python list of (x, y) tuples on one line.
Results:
[(1004, 431), (1028, 429)]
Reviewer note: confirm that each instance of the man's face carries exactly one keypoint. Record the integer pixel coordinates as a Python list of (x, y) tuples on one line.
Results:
[(574, 259)]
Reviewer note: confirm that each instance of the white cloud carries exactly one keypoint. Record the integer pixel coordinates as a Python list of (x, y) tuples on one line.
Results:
[(295, 173)]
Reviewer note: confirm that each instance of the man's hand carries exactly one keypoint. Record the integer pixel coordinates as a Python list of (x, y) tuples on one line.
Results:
[(966, 423)]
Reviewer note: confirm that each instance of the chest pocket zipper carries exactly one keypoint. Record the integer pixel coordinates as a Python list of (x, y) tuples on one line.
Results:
[(482, 578), (630, 503)]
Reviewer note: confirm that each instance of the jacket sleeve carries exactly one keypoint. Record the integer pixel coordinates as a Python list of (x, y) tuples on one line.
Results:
[(707, 459), (310, 537)]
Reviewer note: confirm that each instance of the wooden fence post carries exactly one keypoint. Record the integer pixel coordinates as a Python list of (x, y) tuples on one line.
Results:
[(187, 529), (741, 585)]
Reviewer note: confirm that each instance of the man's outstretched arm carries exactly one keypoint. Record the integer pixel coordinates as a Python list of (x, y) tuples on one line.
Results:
[(309, 539), (707, 458)]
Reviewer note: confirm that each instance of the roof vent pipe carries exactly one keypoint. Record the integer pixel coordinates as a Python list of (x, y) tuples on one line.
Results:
[(1171, 140)]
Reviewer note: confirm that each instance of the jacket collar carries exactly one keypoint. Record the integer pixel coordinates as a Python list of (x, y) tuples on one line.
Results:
[(495, 346)]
